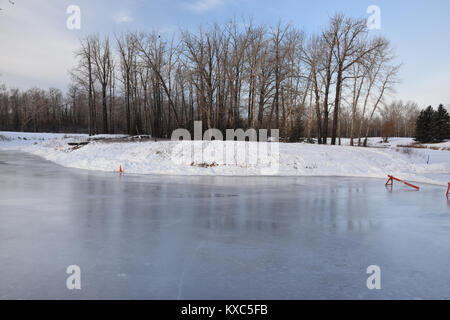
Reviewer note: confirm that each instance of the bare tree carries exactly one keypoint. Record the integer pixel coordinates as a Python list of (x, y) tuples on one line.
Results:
[(103, 65), (388, 79), (229, 76)]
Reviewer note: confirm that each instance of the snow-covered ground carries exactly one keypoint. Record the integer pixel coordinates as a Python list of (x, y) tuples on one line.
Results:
[(394, 142), (236, 158)]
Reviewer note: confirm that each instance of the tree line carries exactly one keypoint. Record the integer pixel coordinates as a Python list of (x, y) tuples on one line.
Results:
[(321, 86), (38, 110)]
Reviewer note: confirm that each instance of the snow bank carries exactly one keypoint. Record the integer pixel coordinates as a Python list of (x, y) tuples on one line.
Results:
[(237, 158), (395, 142)]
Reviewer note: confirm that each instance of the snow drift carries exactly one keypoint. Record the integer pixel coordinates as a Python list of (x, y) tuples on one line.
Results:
[(237, 158)]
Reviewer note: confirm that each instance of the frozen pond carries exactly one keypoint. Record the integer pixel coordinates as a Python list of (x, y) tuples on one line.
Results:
[(159, 237)]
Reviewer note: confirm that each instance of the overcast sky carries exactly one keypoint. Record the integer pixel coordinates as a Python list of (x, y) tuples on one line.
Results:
[(36, 47)]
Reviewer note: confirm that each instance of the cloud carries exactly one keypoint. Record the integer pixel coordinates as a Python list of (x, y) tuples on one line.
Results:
[(123, 17), (200, 6), (37, 48)]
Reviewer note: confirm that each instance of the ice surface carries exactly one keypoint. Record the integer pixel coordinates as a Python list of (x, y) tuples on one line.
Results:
[(166, 237)]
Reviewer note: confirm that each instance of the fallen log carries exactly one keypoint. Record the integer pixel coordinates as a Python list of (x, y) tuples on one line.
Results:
[(78, 144)]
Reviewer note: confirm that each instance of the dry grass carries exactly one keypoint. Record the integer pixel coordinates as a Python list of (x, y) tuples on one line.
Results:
[(405, 150), (123, 139), (204, 165), (421, 146), (3, 138)]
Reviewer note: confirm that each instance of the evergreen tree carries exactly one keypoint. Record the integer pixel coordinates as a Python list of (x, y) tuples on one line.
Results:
[(297, 130), (424, 125), (441, 125)]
